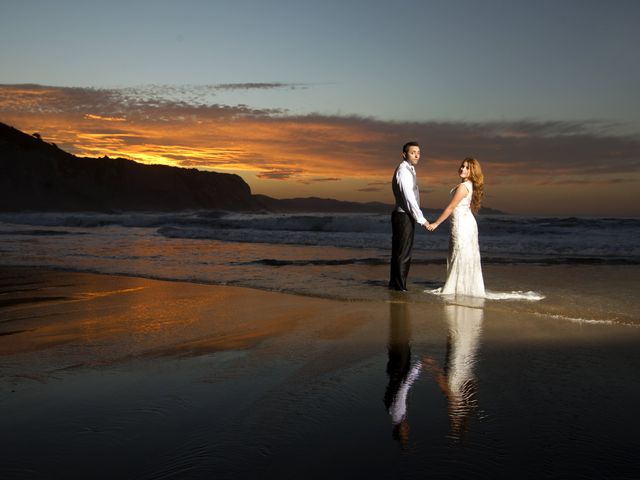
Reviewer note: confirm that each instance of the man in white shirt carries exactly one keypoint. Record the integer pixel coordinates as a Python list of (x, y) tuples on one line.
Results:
[(405, 216)]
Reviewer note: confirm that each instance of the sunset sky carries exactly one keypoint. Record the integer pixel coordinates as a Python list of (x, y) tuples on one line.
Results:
[(316, 98)]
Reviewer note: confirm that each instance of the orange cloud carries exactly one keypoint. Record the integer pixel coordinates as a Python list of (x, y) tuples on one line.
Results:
[(90, 116), (346, 157)]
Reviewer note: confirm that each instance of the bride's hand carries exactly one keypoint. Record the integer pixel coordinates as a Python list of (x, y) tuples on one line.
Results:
[(432, 227)]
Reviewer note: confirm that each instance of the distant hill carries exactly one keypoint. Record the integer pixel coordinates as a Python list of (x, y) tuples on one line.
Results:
[(38, 176), (491, 211)]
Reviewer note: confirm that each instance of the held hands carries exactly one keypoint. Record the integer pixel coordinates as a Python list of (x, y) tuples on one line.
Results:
[(430, 227)]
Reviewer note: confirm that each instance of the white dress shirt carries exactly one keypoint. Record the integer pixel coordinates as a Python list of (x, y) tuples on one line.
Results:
[(398, 409), (405, 191)]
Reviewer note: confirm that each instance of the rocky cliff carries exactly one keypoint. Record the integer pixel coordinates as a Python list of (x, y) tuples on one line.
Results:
[(36, 175)]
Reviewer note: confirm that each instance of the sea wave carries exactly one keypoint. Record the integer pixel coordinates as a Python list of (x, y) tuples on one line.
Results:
[(503, 238), (39, 233), (273, 262)]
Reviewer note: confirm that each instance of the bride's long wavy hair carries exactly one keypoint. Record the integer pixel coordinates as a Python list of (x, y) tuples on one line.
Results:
[(477, 179)]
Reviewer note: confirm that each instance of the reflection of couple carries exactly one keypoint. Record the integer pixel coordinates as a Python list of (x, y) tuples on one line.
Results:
[(464, 273), (456, 379)]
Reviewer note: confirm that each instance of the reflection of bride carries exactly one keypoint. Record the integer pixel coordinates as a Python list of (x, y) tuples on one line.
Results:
[(457, 380), (401, 373)]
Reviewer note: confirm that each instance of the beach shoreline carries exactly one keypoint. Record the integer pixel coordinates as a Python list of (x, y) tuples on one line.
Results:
[(230, 381)]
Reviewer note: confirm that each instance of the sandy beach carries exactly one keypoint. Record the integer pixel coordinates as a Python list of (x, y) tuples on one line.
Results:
[(107, 376)]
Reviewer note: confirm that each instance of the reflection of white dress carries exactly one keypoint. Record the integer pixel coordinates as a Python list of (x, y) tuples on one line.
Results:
[(465, 327), (464, 273)]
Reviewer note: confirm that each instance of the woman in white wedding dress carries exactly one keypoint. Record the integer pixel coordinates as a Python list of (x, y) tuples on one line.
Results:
[(464, 272)]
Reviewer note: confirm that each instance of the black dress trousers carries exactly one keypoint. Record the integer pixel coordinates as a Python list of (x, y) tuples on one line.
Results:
[(403, 228)]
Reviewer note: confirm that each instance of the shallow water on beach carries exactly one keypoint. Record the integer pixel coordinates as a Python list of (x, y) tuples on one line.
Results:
[(370, 389), (581, 274), (315, 370)]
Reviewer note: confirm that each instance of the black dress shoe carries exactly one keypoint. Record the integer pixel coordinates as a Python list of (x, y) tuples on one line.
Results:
[(396, 289)]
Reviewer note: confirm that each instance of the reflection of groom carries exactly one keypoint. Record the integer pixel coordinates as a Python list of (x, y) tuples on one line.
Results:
[(405, 215), (401, 373)]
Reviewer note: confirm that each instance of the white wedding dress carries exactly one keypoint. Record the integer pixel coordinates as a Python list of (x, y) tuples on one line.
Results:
[(464, 273)]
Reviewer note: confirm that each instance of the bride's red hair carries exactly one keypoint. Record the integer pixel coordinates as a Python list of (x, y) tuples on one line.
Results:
[(477, 179)]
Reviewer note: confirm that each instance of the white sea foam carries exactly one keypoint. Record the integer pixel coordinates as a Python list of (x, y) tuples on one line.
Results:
[(587, 321), (514, 295)]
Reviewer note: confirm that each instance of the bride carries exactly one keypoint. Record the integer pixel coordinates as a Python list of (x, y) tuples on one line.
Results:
[(464, 273)]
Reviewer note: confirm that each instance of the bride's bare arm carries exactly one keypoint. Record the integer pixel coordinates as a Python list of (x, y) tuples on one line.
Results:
[(461, 192)]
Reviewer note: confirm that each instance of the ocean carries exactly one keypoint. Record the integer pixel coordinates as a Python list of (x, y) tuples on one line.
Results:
[(337, 376), (579, 268)]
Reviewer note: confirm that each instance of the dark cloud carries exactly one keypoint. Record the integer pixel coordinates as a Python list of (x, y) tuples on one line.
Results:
[(520, 147), (151, 103), (328, 179), (257, 86), (612, 181), (370, 189), (280, 173), (373, 184)]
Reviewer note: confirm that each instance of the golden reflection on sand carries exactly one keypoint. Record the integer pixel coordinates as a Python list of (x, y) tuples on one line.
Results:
[(105, 318)]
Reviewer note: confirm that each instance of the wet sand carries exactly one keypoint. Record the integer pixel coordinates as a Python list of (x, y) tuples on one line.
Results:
[(121, 377)]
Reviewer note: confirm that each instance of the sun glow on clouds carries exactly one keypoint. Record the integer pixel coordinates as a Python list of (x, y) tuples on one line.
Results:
[(344, 157), (90, 116)]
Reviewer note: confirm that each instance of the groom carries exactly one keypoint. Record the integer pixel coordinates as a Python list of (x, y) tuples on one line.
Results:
[(405, 215)]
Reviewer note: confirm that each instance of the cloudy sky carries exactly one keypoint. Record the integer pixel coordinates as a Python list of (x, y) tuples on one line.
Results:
[(316, 98)]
